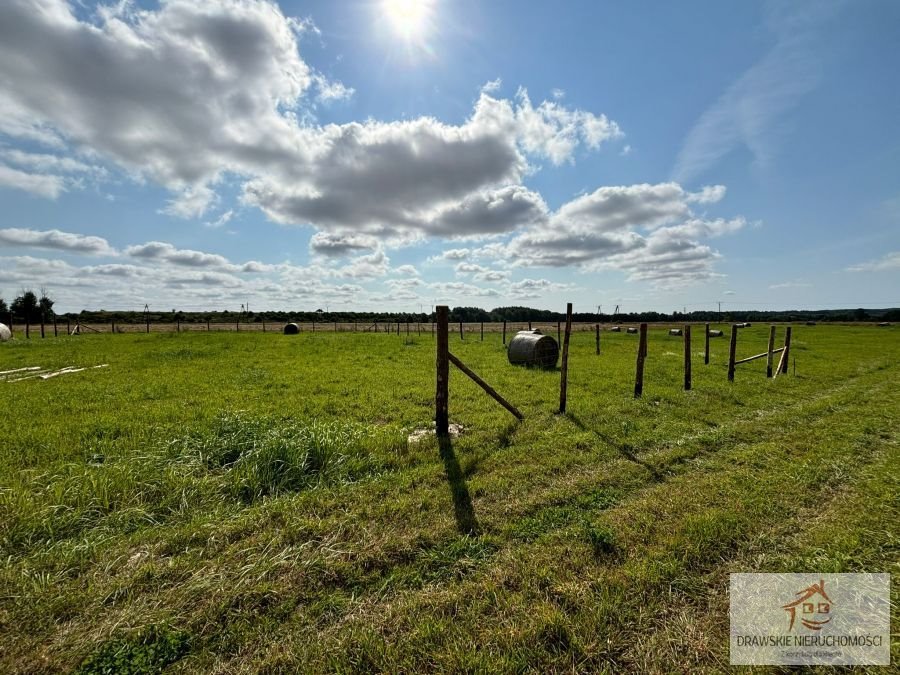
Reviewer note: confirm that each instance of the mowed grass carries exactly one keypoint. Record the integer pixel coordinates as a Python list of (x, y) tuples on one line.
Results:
[(250, 502)]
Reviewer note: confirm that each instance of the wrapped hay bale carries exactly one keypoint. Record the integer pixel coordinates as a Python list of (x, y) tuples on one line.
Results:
[(675, 331), (5, 332), (291, 329), (532, 348)]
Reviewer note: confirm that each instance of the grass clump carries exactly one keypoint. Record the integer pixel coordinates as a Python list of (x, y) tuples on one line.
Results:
[(149, 650)]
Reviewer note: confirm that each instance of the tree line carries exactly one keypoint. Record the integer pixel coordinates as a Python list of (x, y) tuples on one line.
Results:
[(32, 308), (27, 307)]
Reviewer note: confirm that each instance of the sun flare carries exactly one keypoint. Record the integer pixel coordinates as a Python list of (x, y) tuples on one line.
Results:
[(409, 18)]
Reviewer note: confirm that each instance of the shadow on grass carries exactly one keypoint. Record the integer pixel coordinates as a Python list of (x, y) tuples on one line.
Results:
[(463, 510), (623, 449)]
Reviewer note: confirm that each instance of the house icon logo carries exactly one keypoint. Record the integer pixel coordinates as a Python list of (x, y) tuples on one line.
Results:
[(812, 606)]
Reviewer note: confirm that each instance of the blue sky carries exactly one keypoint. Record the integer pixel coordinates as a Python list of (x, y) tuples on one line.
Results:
[(392, 155)]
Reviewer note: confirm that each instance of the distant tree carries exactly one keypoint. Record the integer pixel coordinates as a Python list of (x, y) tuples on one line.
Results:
[(860, 315), (25, 307), (45, 304), (4, 310)]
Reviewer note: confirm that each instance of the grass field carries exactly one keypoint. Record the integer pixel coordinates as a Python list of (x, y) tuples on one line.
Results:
[(247, 502)]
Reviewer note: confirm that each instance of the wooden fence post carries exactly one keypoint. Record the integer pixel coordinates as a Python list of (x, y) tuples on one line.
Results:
[(687, 357), (482, 331), (42, 325), (27, 330), (398, 327), (504, 332), (177, 325), (442, 392), (68, 330), (706, 350), (112, 326), (787, 350), (461, 337), (771, 347), (598, 339), (558, 335), (732, 349), (639, 368), (529, 325), (564, 370), (207, 326), (55, 330)]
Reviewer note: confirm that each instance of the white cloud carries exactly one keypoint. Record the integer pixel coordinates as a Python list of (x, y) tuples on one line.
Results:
[(56, 239), (158, 250), (193, 202), (553, 131), (338, 245), (43, 185), (745, 114), (222, 220), (890, 261), (709, 194), (240, 108), (407, 270), (790, 284), (645, 230)]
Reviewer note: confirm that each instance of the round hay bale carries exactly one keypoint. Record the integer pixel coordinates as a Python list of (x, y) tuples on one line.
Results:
[(291, 329), (5, 332), (675, 331), (883, 324), (810, 323), (716, 333), (615, 329), (631, 331), (532, 348)]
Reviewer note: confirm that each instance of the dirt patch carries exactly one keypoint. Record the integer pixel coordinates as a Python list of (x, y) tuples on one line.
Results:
[(419, 434)]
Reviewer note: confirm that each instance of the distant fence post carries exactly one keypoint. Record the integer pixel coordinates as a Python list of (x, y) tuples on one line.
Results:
[(529, 325), (687, 357), (769, 352), (55, 330), (482, 331), (177, 325), (558, 334), (706, 349), (732, 349), (112, 326), (68, 330), (27, 330), (639, 368), (598, 339), (148, 324), (407, 329), (442, 392), (504, 332), (564, 370), (42, 324), (461, 336)]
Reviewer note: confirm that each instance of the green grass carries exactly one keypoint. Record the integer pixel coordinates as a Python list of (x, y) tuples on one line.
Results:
[(250, 502)]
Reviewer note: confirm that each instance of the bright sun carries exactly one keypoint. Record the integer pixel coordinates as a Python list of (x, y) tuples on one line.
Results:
[(408, 17)]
